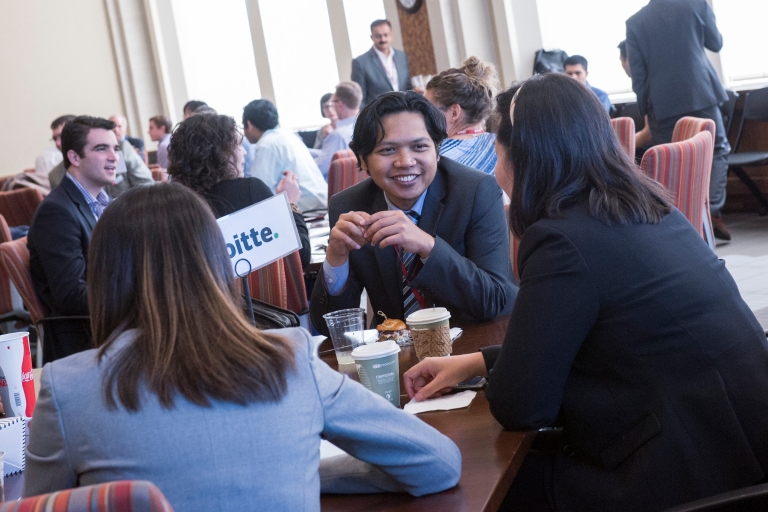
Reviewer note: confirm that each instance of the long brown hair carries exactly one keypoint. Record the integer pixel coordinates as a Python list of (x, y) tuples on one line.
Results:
[(157, 263)]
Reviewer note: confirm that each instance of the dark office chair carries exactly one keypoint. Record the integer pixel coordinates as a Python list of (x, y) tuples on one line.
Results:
[(633, 111), (755, 109), (748, 499)]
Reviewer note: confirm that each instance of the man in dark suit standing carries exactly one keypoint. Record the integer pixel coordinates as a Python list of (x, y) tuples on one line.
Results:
[(673, 78), (422, 231), (382, 68), (61, 231)]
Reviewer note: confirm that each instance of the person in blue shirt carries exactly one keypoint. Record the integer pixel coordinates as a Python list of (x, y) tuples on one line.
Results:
[(577, 68)]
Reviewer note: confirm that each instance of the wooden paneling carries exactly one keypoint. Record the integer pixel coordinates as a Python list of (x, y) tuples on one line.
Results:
[(417, 41)]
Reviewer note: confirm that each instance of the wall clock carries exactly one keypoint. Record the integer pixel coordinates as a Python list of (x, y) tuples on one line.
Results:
[(410, 6)]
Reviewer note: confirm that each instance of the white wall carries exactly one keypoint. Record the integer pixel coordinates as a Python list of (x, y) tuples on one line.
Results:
[(55, 58)]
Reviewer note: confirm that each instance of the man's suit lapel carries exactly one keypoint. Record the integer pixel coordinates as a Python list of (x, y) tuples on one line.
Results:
[(82, 205), (402, 70), (378, 68), (433, 204), (387, 259)]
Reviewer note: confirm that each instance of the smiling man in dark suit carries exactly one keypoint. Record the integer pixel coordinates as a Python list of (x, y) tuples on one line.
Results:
[(61, 231), (422, 231), (382, 68)]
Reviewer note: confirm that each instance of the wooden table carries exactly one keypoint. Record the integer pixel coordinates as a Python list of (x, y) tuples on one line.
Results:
[(491, 456)]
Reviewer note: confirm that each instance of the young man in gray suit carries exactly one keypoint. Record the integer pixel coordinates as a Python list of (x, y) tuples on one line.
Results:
[(422, 231), (673, 78), (382, 68)]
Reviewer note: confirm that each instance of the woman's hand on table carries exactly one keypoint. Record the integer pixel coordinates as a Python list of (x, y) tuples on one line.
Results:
[(435, 376)]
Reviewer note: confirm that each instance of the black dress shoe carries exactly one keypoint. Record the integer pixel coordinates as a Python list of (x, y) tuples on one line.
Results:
[(718, 227)]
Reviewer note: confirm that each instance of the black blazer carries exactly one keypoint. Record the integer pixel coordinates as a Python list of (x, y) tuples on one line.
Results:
[(671, 74), (368, 71), (468, 271), (58, 242), (636, 340), (229, 196)]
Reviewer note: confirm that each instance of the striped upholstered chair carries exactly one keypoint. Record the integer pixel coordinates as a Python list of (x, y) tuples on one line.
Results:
[(343, 174), (121, 496), (268, 284), (684, 169), (18, 206), (687, 127), (624, 127), (294, 283), (344, 153), (159, 174), (10, 303)]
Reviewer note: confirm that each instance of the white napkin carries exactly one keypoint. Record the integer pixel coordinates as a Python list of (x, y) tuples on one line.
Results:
[(455, 333), (443, 403), (328, 449)]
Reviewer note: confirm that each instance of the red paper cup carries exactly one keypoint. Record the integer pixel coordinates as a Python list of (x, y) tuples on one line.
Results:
[(17, 383)]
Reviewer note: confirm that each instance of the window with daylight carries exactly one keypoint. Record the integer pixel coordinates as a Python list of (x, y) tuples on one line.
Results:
[(745, 41), (360, 14)]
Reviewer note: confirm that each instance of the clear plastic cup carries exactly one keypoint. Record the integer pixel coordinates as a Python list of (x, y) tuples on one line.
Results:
[(379, 369), (430, 332), (347, 332)]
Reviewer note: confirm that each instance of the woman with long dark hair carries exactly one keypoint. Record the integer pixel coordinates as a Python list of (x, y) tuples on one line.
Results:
[(207, 156), (184, 392), (627, 332)]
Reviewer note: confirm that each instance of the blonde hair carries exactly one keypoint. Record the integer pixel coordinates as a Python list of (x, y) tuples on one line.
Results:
[(472, 86)]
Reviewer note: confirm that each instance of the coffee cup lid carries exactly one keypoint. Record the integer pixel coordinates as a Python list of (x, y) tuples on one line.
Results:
[(427, 316), (375, 350)]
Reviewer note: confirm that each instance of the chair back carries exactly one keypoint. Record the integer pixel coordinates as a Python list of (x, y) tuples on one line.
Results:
[(624, 127), (755, 109), (687, 127), (633, 111), (684, 169), (15, 258), (18, 206), (268, 284), (294, 282), (343, 153), (728, 108), (6, 303), (120, 496), (343, 174)]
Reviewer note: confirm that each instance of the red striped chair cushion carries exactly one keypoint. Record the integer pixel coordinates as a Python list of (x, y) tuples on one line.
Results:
[(687, 127), (6, 305), (344, 153), (159, 175), (15, 257), (121, 496), (343, 174), (294, 280), (624, 127), (684, 169), (18, 206), (268, 284)]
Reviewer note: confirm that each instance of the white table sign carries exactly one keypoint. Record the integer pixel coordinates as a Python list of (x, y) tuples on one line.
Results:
[(260, 234)]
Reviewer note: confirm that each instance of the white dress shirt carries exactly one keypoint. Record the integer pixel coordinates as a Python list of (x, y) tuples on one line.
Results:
[(389, 66)]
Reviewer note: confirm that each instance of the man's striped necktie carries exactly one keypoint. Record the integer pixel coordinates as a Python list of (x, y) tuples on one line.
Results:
[(410, 303)]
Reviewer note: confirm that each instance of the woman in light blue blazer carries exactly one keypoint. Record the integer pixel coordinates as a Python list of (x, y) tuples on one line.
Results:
[(182, 391)]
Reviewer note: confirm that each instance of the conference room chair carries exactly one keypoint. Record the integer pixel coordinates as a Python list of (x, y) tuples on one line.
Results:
[(624, 127), (120, 496), (15, 260), (268, 284), (748, 499), (343, 174), (755, 110), (633, 111), (344, 153), (11, 306), (296, 290), (18, 206), (684, 169)]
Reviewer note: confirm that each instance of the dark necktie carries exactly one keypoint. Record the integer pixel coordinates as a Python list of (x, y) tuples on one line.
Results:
[(410, 303)]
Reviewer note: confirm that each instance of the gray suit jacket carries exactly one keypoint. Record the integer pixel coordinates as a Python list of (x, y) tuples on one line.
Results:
[(671, 74), (368, 71), (131, 171), (468, 271), (225, 457)]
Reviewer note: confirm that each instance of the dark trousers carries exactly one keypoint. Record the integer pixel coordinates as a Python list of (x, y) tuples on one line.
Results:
[(661, 132), (531, 490)]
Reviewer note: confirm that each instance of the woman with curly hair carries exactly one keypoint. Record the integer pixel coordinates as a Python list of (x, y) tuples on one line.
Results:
[(206, 155), (465, 96)]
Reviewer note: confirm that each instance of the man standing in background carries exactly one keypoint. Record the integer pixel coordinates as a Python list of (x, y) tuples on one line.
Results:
[(346, 103), (382, 68), (160, 132), (673, 78)]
